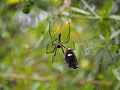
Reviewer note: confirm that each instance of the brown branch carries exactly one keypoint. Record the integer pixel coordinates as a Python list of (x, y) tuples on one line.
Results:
[(44, 79), (23, 76), (65, 5)]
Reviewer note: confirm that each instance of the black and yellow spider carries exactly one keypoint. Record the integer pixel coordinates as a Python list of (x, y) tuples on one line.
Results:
[(70, 57)]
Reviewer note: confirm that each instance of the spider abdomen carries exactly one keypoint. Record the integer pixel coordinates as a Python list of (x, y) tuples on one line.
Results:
[(71, 59)]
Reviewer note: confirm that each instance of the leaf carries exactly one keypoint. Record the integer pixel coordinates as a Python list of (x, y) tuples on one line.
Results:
[(107, 8), (115, 17), (114, 34), (80, 11), (113, 48), (102, 37), (116, 72)]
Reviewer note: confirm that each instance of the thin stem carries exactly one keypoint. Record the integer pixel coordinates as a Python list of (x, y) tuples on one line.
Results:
[(23, 77), (10, 76)]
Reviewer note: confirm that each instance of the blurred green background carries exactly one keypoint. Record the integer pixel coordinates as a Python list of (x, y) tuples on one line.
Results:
[(24, 35)]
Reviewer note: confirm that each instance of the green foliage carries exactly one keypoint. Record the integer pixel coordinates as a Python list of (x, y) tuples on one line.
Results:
[(27, 6), (107, 8), (24, 36)]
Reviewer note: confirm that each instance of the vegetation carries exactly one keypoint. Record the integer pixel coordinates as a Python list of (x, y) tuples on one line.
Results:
[(24, 36)]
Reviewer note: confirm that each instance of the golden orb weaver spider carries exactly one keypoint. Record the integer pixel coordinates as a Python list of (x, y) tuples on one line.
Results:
[(70, 57)]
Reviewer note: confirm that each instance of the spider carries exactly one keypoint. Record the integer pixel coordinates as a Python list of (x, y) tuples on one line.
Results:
[(70, 57)]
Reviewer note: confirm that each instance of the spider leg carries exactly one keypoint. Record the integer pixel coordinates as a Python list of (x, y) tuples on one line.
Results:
[(68, 36), (67, 47), (48, 47), (62, 50), (49, 30), (64, 46), (53, 57), (73, 46)]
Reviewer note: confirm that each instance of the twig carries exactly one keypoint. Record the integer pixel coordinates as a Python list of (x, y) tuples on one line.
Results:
[(65, 5), (45, 79), (23, 76)]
